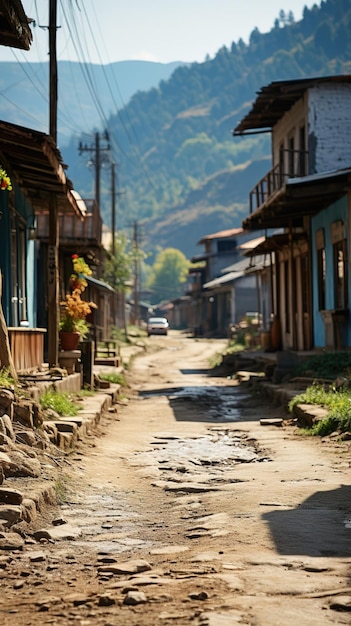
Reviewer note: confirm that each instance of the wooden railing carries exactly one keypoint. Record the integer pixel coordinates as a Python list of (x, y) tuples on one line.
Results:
[(277, 177), (71, 228)]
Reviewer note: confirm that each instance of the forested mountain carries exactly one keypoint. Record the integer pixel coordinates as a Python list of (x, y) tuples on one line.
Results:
[(182, 173)]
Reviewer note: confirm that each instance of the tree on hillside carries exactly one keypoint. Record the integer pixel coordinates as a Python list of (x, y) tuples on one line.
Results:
[(168, 274)]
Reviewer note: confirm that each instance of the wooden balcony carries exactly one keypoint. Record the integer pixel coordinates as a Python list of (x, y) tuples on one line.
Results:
[(71, 228), (293, 165)]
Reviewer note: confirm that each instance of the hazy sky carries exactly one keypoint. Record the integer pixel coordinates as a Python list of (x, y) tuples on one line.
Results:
[(104, 31)]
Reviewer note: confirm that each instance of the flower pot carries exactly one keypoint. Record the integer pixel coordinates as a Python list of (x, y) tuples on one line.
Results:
[(69, 340)]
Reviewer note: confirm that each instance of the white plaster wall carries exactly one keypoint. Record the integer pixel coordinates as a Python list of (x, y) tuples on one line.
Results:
[(289, 125), (329, 114)]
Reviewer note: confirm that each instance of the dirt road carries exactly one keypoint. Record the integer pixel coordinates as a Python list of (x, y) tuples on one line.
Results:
[(187, 511)]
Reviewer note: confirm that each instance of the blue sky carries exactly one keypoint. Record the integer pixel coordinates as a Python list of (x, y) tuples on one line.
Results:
[(104, 31)]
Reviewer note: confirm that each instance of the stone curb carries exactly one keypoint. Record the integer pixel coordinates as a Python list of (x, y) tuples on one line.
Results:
[(22, 499)]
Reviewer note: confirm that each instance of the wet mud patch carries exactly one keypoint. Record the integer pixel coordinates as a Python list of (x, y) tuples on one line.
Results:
[(200, 463), (203, 403)]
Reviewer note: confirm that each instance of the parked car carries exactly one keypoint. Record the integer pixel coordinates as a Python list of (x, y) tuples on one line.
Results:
[(157, 326)]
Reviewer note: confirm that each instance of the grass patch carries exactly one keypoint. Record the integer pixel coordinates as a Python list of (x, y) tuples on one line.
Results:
[(215, 360), (338, 404), (60, 402), (116, 378), (85, 393), (6, 379), (325, 365)]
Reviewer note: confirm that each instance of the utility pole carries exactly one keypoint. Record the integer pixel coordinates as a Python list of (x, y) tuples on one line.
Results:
[(136, 273), (53, 272), (97, 159), (113, 207)]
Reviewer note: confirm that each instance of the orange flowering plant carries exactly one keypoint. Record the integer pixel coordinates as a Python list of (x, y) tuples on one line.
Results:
[(74, 308), (5, 180)]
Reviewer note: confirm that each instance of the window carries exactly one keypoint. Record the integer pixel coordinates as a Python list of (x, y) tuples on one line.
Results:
[(304, 267), (321, 268), (286, 297), (281, 166), (291, 156), (340, 275), (18, 270), (226, 245), (321, 278), (302, 152)]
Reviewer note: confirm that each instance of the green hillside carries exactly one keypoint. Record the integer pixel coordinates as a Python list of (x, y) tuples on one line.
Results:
[(181, 172)]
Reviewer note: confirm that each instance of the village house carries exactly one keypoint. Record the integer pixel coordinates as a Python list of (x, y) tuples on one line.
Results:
[(220, 291), (307, 194), (34, 166)]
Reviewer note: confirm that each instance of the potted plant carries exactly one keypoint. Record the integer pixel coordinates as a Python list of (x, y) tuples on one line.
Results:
[(73, 325), (5, 180)]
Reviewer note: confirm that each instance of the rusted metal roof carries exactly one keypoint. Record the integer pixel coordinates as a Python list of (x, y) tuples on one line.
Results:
[(222, 234), (35, 162), (274, 242), (14, 25), (275, 99)]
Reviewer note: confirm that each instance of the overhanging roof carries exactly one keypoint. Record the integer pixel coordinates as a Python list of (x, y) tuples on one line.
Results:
[(222, 234), (300, 197), (99, 284), (239, 266), (233, 272), (222, 280), (275, 99), (34, 160), (14, 29), (275, 242)]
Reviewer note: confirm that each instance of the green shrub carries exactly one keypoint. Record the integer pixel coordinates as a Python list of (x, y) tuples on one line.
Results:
[(6, 379), (325, 365), (59, 402), (338, 403)]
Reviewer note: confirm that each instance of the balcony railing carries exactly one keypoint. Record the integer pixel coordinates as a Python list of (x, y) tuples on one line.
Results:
[(71, 228), (292, 166)]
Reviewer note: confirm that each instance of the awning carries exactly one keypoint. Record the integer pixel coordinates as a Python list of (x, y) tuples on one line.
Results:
[(34, 161), (273, 243), (299, 197), (99, 284)]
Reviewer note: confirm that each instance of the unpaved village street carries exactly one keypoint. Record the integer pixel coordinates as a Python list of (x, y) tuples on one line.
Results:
[(183, 509)]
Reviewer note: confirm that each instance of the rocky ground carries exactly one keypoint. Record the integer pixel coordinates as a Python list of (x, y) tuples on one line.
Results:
[(197, 502)]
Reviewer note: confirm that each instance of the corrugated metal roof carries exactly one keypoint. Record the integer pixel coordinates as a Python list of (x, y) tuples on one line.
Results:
[(239, 266), (222, 280)]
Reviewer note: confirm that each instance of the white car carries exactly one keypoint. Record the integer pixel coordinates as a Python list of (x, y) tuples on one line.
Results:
[(157, 326)]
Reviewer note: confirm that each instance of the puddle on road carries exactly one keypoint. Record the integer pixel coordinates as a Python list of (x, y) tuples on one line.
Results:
[(215, 403), (180, 465), (108, 524)]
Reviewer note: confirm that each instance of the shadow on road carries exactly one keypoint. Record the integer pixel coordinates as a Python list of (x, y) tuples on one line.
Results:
[(319, 526)]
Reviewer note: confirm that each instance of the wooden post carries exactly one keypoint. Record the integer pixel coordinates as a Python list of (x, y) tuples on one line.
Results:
[(53, 285), (5, 350), (53, 274)]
